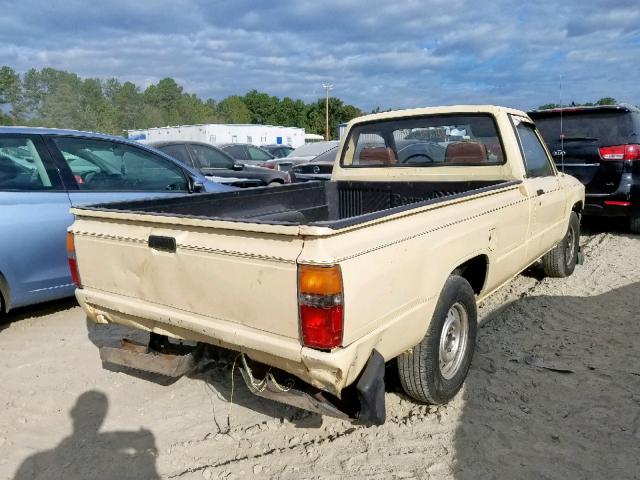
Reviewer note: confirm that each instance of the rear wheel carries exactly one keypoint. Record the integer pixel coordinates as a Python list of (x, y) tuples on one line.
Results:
[(561, 261), (435, 369)]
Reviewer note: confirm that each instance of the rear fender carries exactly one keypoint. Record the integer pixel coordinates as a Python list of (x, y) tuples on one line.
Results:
[(5, 291)]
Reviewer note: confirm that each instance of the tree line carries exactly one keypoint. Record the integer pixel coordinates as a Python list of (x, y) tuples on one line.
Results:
[(59, 99)]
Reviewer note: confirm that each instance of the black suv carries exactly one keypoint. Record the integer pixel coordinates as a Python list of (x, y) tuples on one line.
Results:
[(600, 146)]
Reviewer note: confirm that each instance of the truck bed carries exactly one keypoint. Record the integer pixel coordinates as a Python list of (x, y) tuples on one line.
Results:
[(333, 205)]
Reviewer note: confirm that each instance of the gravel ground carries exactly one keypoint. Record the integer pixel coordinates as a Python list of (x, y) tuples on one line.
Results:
[(553, 392)]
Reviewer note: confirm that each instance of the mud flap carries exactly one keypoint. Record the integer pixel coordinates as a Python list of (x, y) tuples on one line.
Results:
[(139, 357), (370, 388)]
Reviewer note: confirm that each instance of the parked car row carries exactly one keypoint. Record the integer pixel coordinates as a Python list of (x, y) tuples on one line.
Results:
[(219, 166)]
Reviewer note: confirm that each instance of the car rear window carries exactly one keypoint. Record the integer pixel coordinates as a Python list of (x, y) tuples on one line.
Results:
[(604, 128)]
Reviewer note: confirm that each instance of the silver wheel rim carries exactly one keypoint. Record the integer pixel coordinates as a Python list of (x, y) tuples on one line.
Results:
[(453, 341), (570, 249)]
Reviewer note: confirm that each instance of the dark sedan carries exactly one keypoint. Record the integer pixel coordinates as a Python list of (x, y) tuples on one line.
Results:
[(303, 154), (246, 153), (217, 165), (320, 168)]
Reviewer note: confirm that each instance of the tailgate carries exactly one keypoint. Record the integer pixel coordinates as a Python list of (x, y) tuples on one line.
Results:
[(243, 277)]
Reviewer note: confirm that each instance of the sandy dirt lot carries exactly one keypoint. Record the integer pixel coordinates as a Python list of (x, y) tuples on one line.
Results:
[(553, 392)]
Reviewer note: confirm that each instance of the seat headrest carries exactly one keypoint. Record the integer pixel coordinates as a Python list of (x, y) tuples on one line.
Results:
[(466, 152), (378, 156)]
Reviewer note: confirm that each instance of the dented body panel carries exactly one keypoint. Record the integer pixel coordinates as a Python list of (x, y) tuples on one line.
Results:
[(232, 282)]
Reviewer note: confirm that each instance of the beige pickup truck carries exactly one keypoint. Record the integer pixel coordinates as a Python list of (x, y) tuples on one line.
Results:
[(317, 286)]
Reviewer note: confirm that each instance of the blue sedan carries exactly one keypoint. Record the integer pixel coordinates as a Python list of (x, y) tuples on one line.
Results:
[(45, 172)]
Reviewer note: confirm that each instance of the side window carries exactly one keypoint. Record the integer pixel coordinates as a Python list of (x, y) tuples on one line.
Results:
[(537, 162), (179, 152), (207, 157), (22, 166), (257, 154), (102, 165), (236, 151)]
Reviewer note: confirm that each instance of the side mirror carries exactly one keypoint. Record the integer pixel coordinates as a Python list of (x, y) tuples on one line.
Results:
[(196, 186), (237, 167)]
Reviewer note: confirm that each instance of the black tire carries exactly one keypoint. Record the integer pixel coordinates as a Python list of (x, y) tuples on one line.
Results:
[(634, 223), (421, 374), (561, 261)]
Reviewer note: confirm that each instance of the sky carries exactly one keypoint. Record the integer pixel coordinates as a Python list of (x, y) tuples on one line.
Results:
[(391, 54)]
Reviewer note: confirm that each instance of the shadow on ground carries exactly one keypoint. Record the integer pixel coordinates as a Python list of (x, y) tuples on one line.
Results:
[(38, 310), (89, 453), (554, 390)]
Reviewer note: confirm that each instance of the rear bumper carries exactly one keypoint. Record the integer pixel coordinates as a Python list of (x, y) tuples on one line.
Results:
[(614, 205), (623, 202), (329, 371)]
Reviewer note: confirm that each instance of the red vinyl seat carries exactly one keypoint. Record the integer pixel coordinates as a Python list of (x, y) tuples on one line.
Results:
[(377, 156), (466, 152)]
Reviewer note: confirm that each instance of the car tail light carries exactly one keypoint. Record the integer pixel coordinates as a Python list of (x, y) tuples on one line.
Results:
[(272, 166), (620, 152), (73, 263), (320, 302), (617, 203)]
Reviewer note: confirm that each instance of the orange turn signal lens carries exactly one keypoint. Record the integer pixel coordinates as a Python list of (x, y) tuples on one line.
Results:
[(71, 247), (313, 279)]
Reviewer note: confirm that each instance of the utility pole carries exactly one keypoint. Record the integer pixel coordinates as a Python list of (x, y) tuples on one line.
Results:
[(327, 87)]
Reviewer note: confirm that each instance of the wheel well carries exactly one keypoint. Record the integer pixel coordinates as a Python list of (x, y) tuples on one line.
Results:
[(474, 271), (577, 207), (4, 294)]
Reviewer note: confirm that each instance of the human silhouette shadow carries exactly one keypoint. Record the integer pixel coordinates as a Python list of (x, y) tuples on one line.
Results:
[(90, 454)]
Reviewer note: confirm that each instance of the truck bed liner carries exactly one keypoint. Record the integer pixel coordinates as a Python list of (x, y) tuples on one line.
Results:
[(328, 204)]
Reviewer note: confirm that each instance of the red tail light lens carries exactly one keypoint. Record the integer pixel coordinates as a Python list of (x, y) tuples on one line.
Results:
[(73, 263), (620, 152), (320, 306), (272, 166)]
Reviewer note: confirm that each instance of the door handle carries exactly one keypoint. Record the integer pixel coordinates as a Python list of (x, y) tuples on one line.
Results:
[(540, 192)]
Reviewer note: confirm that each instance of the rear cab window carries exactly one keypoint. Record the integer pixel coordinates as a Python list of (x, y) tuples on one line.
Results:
[(427, 141)]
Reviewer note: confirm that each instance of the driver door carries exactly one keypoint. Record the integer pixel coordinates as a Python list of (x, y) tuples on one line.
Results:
[(99, 171)]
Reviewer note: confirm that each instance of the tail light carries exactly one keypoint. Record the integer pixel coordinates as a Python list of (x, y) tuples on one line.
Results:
[(620, 152), (320, 302), (272, 166), (73, 263)]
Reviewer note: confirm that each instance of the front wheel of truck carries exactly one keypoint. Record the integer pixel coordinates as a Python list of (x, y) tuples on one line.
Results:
[(434, 370), (561, 261)]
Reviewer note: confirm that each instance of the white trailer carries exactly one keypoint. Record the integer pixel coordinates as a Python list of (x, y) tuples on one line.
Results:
[(223, 133)]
